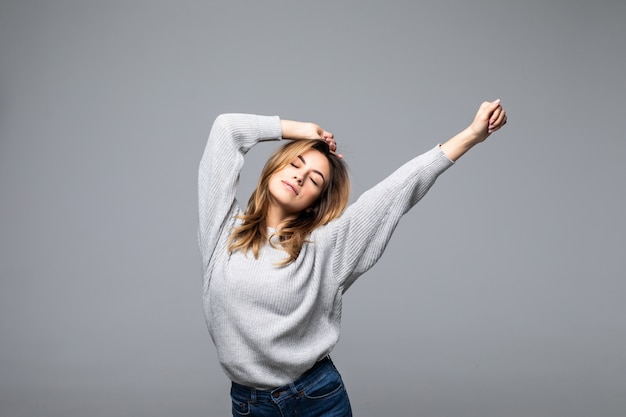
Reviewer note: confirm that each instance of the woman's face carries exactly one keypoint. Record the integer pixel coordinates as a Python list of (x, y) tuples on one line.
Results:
[(298, 185)]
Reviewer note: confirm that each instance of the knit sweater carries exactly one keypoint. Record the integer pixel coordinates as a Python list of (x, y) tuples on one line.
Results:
[(271, 323)]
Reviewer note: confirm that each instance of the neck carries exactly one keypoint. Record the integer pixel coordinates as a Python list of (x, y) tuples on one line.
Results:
[(276, 216)]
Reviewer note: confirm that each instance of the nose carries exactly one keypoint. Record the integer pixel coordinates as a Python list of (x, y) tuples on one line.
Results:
[(298, 179)]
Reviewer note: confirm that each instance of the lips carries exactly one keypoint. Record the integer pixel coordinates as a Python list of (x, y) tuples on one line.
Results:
[(290, 187)]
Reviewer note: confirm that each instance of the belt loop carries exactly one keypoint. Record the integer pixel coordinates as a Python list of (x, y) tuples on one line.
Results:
[(293, 388), (253, 395)]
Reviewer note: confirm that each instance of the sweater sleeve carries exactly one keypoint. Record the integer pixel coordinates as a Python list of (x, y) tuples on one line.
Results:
[(361, 234), (231, 136)]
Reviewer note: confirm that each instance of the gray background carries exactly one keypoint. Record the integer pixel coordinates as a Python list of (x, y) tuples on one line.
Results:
[(501, 294)]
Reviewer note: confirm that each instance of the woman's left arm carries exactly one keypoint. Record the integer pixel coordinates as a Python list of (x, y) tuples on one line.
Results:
[(361, 234)]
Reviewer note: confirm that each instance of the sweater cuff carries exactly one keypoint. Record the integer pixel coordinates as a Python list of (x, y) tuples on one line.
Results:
[(439, 159), (443, 154), (269, 128)]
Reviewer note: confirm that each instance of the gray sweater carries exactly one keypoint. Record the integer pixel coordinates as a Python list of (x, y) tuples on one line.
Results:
[(271, 323)]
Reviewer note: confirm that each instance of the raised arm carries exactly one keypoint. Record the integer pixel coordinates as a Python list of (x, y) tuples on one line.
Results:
[(489, 118), (361, 234), (304, 130), (232, 135)]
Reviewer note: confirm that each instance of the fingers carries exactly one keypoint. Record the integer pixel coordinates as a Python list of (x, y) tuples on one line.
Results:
[(488, 107), (332, 144), (497, 118), (487, 110), (329, 138)]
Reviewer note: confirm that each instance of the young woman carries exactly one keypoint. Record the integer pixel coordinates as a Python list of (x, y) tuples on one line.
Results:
[(274, 274)]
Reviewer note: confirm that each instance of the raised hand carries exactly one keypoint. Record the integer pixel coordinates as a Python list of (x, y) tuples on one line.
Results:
[(489, 118), (304, 130)]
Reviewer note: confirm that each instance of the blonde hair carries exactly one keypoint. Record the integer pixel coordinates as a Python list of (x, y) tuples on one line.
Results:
[(252, 234)]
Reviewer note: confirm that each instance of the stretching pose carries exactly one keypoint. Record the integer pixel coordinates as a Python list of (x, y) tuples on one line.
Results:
[(274, 275)]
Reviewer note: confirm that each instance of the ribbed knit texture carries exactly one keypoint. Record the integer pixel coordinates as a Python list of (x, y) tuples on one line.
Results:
[(269, 323)]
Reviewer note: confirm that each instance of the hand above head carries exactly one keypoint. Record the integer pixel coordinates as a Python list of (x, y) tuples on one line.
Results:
[(329, 138), (304, 130)]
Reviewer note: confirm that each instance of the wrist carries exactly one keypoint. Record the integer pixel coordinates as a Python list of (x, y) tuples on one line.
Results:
[(298, 130), (472, 136)]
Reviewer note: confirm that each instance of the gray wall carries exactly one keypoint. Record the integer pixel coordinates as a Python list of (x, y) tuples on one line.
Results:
[(501, 294)]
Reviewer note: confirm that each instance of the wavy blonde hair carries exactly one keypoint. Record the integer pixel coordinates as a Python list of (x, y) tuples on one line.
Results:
[(252, 234)]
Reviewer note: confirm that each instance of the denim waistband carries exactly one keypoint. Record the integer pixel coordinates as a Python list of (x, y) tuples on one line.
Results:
[(318, 371)]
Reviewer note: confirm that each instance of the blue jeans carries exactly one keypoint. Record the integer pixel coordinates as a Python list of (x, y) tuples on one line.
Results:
[(319, 392)]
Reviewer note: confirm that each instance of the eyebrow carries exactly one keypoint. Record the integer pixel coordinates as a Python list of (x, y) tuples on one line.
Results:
[(314, 170)]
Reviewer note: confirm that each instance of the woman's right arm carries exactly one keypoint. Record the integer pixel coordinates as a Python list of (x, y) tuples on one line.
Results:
[(232, 135)]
